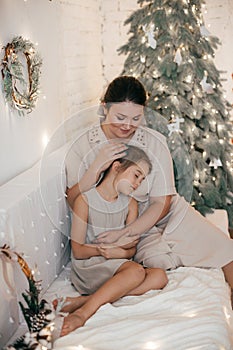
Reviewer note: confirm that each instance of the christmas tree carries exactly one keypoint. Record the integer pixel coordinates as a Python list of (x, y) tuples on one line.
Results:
[(172, 53)]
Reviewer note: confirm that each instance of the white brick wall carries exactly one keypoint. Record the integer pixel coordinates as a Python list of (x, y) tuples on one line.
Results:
[(93, 31), (115, 34), (82, 54), (219, 21)]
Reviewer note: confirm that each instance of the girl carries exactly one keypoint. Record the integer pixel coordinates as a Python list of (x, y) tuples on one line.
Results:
[(106, 273)]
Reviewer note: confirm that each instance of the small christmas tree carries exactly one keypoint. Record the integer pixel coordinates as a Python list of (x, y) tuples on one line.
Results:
[(37, 314), (171, 52)]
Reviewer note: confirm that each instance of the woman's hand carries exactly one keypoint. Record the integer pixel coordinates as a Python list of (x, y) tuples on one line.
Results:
[(108, 153), (120, 238), (112, 236)]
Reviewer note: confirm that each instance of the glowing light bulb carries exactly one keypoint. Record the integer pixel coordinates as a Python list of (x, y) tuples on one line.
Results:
[(45, 139)]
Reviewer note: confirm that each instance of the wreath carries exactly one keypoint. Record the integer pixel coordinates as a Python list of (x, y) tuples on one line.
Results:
[(19, 93)]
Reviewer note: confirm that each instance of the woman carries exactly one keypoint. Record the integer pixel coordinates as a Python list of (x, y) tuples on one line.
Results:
[(104, 274), (171, 232)]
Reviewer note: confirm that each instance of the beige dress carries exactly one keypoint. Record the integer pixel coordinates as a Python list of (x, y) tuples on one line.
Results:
[(184, 237), (87, 275)]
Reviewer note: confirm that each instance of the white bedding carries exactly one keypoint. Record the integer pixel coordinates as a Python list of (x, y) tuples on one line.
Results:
[(192, 312)]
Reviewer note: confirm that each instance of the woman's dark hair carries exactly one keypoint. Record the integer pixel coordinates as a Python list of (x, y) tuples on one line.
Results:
[(125, 89)]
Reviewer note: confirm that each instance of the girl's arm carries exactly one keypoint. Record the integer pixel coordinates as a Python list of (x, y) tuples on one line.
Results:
[(81, 250), (132, 216), (133, 211), (125, 251)]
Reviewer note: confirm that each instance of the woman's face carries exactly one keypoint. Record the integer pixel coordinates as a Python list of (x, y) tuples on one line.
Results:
[(130, 179), (122, 119)]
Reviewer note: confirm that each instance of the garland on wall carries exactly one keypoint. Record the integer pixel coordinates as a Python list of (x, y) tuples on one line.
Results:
[(37, 314), (20, 93)]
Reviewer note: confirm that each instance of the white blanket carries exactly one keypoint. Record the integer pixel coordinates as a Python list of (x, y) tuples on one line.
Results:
[(192, 312)]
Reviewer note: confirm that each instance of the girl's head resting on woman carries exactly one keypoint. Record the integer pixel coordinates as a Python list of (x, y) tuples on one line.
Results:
[(134, 156), (130, 170)]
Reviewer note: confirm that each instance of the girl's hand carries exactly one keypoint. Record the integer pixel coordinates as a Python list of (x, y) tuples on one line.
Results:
[(112, 253), (108, 153)]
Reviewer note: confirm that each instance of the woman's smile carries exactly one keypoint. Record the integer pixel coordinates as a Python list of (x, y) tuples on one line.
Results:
[(122, 119)]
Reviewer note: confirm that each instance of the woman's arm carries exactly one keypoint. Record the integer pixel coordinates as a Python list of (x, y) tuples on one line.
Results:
[(158, 208), (88, 180), (108, 153)]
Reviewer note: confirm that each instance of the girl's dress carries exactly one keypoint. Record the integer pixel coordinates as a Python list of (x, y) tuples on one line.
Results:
[(87, 275)]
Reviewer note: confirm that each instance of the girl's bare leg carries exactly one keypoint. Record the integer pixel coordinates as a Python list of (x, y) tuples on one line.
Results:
[(228, 273), (71, 303), (156, 278), (127, 278)]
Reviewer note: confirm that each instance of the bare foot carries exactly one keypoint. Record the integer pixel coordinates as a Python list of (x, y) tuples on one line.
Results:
[(71, 303), (72, 322)]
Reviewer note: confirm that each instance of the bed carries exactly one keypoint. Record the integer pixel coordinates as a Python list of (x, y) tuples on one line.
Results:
[(192, 312)]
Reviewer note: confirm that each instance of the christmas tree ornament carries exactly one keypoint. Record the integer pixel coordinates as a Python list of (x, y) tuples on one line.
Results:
[(208, 88), (143, 58), (178, 57), (215, 163), (174, 125), (150, 36)]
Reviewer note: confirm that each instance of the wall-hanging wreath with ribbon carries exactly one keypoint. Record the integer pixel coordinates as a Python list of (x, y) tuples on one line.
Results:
[(20, 92)]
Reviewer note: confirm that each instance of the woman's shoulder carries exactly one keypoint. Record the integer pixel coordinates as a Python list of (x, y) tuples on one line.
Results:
[(85, 136), (153, 134)]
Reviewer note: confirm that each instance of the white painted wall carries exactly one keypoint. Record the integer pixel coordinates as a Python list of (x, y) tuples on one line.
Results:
[(68, 33), (219, 21), (21, 137), (78, 41)]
